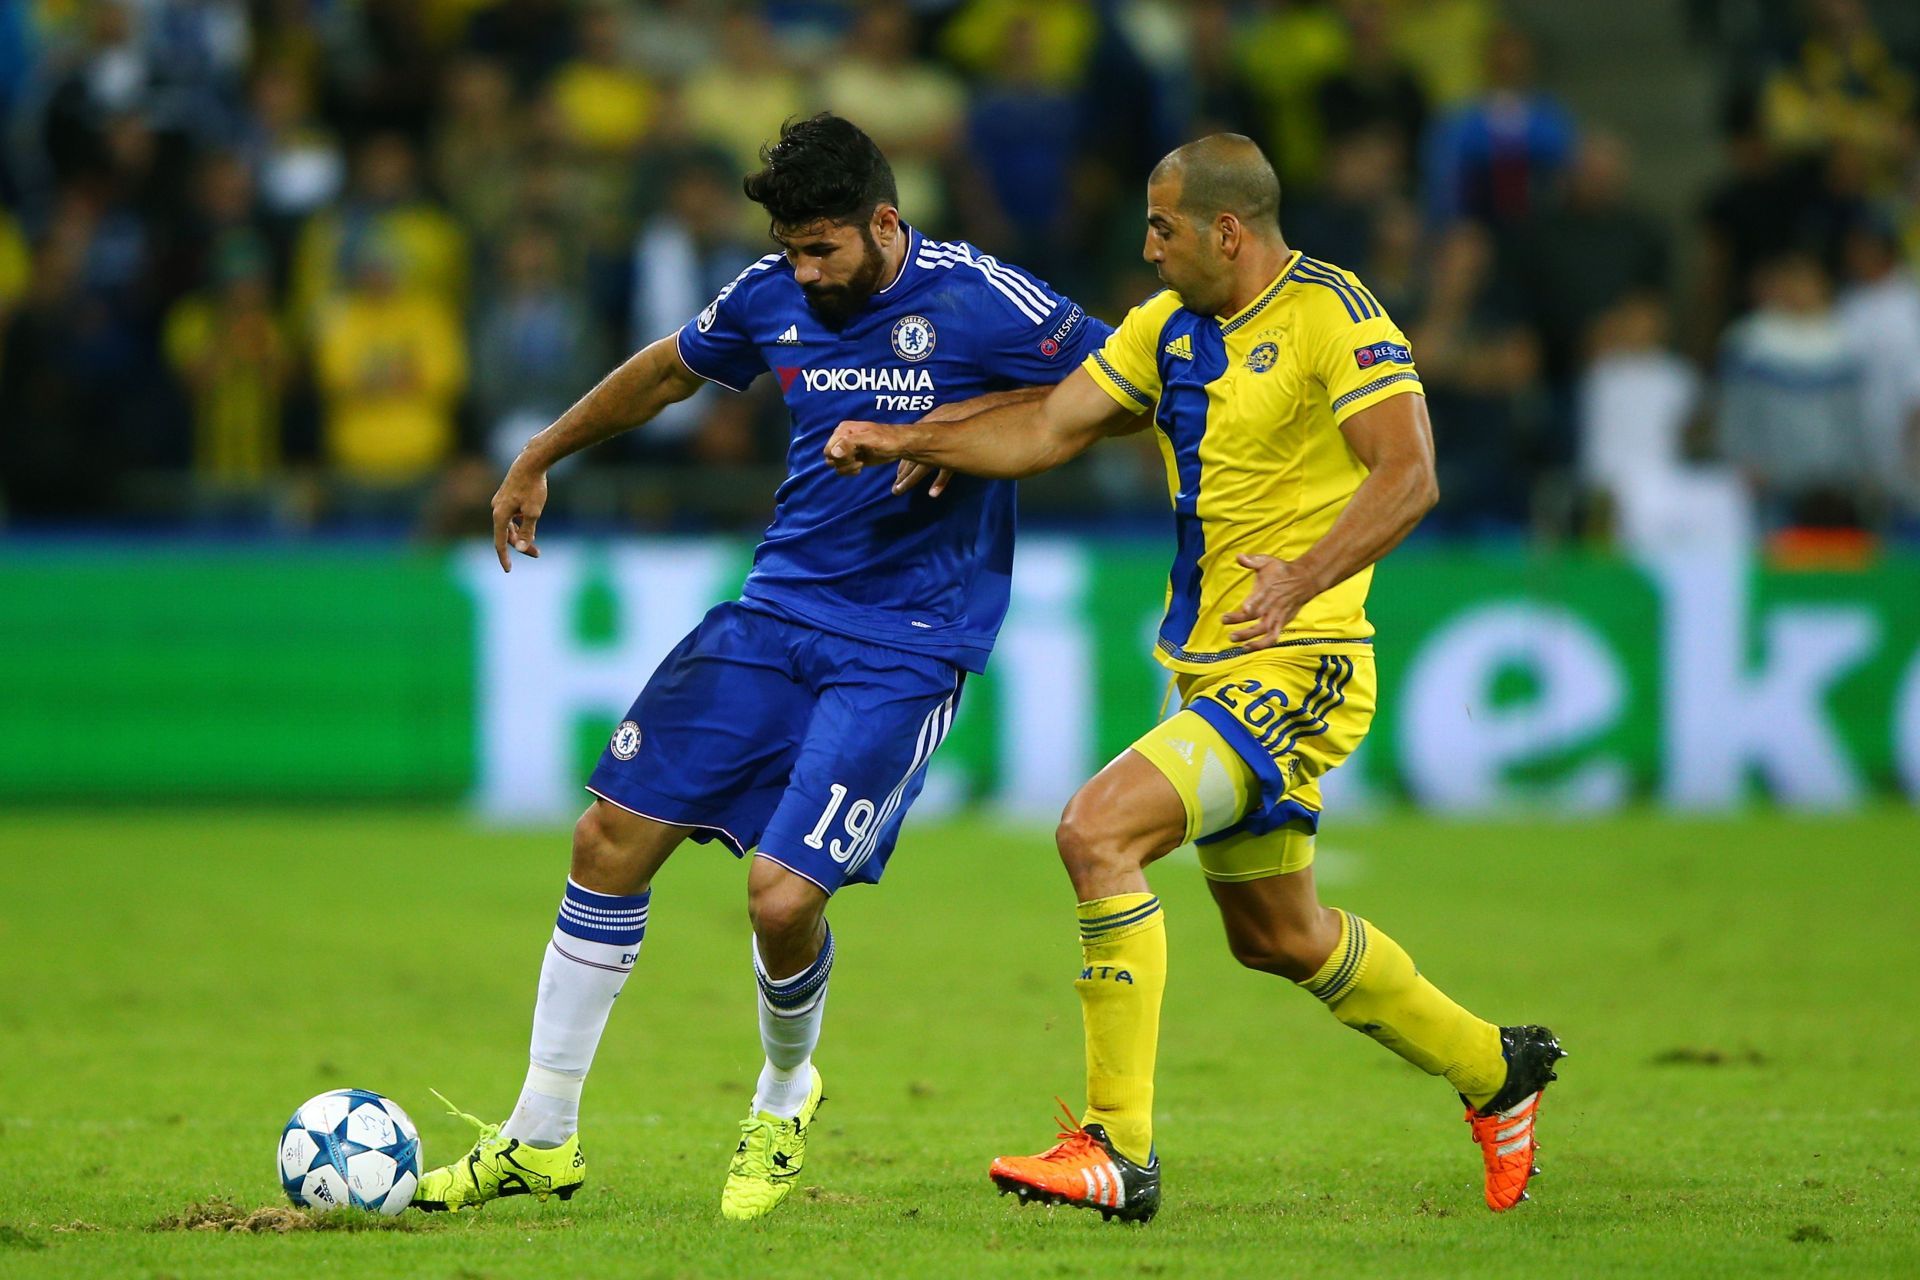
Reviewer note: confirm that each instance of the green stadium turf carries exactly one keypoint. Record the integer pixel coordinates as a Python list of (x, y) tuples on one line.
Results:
[(1743, 1097)]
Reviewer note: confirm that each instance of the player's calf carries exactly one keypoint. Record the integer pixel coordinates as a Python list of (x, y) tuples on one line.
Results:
[(1276, 924)]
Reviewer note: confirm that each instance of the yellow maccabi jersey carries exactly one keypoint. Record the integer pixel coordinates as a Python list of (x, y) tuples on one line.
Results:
[(1249, 409)]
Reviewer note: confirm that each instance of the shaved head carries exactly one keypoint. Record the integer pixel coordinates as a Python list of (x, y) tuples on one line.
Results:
[(1223, 173), (1213, 223)]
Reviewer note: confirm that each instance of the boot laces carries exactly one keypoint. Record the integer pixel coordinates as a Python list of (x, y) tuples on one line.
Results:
[(1074, 1142), (488, 1132)]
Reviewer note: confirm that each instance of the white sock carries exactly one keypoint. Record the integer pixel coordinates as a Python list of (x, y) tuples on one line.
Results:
[(595, 942), (791, 1010)]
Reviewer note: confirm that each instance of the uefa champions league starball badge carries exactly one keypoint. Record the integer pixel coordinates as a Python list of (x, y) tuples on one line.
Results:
[(913, 338)]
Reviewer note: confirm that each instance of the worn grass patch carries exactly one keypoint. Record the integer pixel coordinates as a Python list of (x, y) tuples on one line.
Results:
[(222, 1214)]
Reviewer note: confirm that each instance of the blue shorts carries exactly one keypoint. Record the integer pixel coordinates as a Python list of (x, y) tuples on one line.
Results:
[(765, 733)]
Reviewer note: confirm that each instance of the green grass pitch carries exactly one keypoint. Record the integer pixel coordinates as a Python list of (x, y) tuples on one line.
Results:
[(1739, 998)]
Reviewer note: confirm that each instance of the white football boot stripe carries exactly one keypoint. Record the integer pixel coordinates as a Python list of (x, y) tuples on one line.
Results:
[(1520, 1106)]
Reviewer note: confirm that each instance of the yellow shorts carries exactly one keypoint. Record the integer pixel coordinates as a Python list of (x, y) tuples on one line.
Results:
[(1247, 749)]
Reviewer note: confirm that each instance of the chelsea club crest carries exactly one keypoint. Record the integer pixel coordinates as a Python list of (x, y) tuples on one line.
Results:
[(1261, 358), (913, 338), (626, 741)]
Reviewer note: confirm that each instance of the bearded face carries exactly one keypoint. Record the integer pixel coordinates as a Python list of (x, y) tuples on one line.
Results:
[(838, 267)]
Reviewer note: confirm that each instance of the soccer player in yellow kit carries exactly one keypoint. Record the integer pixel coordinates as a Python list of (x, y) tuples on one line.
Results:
[(1298, 452)]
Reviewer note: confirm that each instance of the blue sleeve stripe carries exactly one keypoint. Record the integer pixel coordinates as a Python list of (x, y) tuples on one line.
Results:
[(1314, 269), (1352, 313), (1369, 305), (1318, 273), (1146, 401), (1356, 306), (1360, 393)]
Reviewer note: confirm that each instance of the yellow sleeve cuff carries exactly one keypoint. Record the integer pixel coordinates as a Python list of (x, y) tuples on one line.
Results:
[(1116, 384), (1385, 387)]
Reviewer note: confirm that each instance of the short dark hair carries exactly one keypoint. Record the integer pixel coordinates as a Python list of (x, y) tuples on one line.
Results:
[(821, 168), (1224, 173)]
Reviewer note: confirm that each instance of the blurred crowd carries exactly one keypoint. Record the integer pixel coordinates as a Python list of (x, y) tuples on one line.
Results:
[(323, 263)]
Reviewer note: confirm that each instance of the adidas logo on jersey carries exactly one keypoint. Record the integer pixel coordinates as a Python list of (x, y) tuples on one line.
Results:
[(791, 338), (1184, 747), (1181, 348)]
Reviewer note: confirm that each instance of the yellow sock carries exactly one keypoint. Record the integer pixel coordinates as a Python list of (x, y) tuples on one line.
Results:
[(1370, 984), (1123, 942)]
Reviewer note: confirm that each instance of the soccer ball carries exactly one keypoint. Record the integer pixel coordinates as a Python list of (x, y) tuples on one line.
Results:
[(350, 1147)]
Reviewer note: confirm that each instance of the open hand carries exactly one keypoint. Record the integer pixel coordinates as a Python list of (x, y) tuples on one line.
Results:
[(1280, 590)]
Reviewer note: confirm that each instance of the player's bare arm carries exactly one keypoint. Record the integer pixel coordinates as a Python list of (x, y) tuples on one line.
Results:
[(1395, 441), (1021, 437), (911, 473), (632, 394)]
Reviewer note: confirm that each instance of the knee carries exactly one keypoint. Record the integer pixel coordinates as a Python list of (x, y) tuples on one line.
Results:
[(593, 842), (602, 859), (1090, 848), (785, 912), (1116, 825), (1103, 851)]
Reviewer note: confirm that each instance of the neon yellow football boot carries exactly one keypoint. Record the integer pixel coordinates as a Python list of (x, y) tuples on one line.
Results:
[(767, 1162), (500, 1166)]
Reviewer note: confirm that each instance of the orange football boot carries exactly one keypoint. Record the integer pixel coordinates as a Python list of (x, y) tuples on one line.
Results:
[(1083, 1170), (1504, 1129)]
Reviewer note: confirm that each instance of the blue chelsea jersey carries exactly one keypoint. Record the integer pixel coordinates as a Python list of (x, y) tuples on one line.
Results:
[(845, 554)]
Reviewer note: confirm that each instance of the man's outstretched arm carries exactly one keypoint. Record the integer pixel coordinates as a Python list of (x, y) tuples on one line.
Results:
[(1019, 437), (647, 382), (911, 472)]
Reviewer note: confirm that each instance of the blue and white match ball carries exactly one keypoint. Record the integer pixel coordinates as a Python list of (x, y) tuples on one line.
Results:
[(350, 1147)]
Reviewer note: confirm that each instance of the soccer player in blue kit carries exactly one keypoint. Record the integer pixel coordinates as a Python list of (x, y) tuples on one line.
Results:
[(796, 722)]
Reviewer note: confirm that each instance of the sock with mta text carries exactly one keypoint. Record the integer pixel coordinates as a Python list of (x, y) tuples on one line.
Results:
[(1123, 950)]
